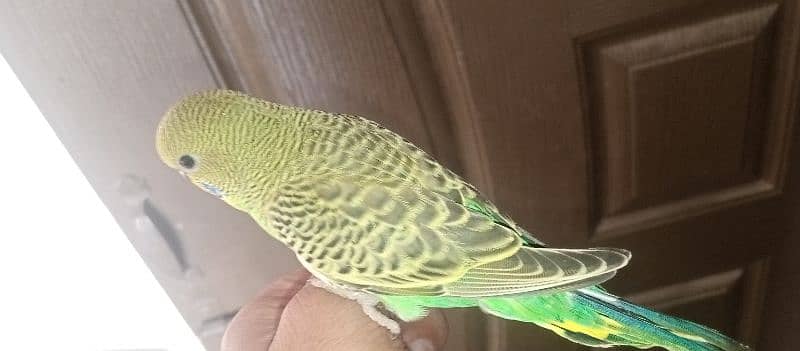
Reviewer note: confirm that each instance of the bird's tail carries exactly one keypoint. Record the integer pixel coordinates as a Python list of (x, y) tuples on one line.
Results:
[(592, 317)]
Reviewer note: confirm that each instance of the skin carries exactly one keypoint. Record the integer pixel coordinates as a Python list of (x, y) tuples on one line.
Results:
[(280, 317)]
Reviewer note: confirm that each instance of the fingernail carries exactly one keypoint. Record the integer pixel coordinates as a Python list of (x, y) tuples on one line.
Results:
[(421, 345)]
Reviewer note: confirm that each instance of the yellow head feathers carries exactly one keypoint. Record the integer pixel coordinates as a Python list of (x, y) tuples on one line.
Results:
[(223, 141)]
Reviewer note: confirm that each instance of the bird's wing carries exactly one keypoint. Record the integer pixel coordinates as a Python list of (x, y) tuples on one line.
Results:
[(373, 235), (540, 270), (396, 239), (362, 148)]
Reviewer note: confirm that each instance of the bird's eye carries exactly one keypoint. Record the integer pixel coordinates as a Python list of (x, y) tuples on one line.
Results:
[(187, 162)]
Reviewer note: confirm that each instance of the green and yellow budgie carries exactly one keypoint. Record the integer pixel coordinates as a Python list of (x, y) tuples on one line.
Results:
[(374, 217)]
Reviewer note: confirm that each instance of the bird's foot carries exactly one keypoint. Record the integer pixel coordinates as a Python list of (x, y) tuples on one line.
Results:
[(368, 302)]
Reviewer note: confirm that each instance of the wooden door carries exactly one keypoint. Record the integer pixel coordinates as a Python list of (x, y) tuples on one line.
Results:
[(657, 126), (661, 126)]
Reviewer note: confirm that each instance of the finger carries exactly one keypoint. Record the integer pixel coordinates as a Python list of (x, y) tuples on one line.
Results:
[(316, 319), (253, 328), (427, 334)]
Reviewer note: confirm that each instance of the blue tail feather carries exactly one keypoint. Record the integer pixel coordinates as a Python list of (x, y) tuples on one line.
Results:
[(685, 335), (592, 317)]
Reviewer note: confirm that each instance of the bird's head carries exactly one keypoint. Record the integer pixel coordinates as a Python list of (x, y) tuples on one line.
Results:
[(224, 142)]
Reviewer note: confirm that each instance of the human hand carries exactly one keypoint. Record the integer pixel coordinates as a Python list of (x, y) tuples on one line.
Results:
[(290, 315)]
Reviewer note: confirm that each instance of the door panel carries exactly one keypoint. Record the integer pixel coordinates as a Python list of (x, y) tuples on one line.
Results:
[(678, 115), (658, 126)]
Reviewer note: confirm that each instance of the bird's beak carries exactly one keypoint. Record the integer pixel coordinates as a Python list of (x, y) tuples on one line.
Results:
[(183, 175)]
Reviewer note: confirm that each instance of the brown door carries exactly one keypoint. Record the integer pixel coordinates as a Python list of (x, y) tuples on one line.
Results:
[(660, 126)]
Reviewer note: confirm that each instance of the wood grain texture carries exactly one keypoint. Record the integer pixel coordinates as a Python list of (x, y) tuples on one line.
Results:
[(781, 317), (685, 119), (678, 116), (355, 56), (503, 101), (523, 149), (598, 17)]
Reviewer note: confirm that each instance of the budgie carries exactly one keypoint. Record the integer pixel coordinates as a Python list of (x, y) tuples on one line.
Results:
[(375, 218)]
